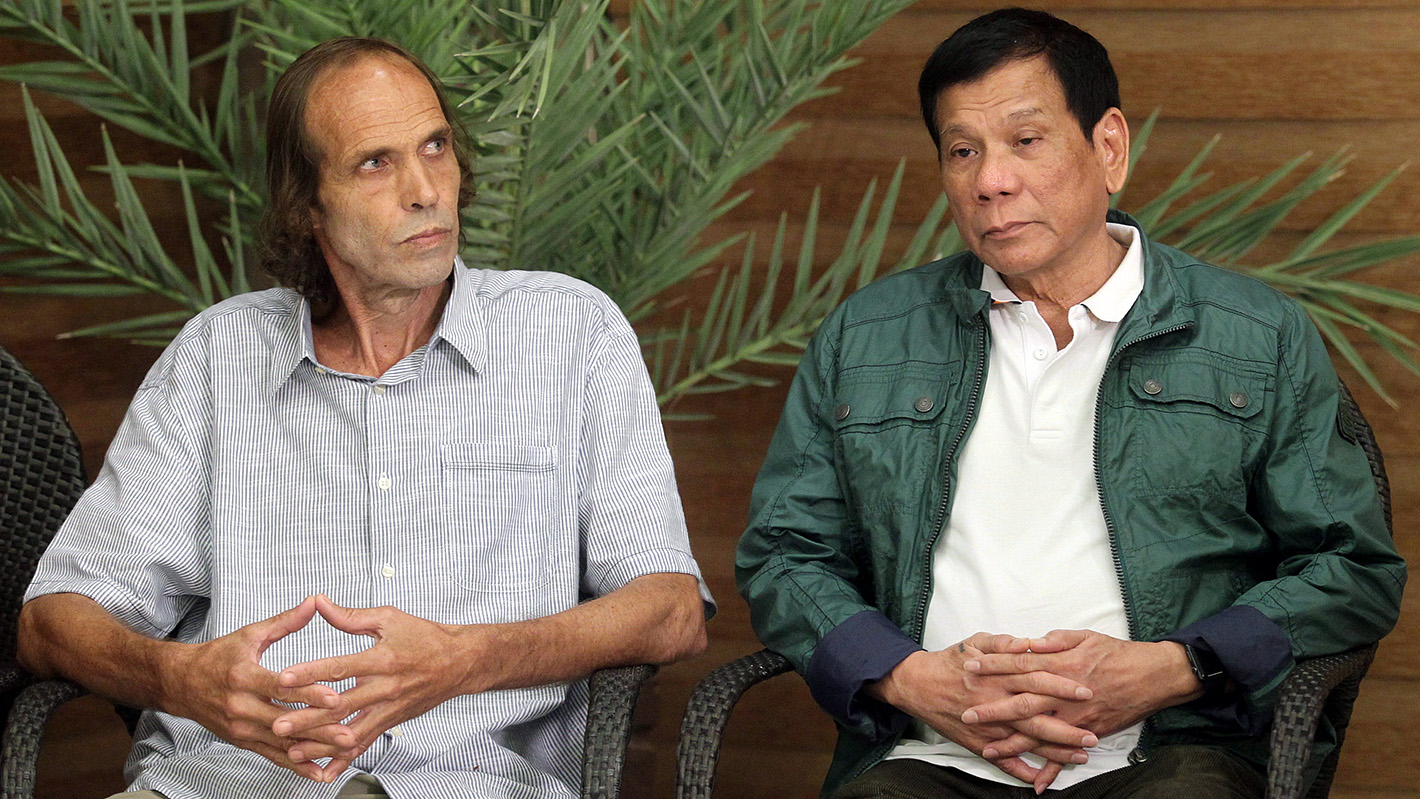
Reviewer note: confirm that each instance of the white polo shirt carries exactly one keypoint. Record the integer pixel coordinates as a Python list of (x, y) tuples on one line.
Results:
[(1026, 549)]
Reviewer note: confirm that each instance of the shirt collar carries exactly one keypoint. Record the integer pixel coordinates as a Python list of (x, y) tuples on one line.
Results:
[(1117, 295), (462, 323), (461, 326), (290, 350), (1114, 299)]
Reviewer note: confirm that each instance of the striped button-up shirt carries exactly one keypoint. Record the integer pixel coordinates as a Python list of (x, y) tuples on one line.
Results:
[(509, 469)]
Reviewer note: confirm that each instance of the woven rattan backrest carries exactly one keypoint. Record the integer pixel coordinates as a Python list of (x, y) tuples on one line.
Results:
[(1367, 439), (41, 477)]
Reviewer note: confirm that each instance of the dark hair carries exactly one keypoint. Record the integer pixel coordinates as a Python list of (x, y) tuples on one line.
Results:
[(1079, 62), (289, 252)]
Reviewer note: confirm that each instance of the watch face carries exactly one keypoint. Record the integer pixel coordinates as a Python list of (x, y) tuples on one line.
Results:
[(1207, 668)]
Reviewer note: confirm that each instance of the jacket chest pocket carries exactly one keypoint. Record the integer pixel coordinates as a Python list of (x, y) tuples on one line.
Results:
[(885, 425), (1194, 425), (500, 503)]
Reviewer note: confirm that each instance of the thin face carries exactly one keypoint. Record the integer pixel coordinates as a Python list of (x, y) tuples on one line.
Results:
[(389, 181), (1029, 193)]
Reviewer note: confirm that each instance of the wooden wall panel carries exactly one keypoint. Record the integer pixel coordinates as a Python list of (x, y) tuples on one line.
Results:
[(1275, 77), (840, 156)]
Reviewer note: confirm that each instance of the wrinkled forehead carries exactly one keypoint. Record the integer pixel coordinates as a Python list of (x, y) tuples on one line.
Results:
[(373, 101)]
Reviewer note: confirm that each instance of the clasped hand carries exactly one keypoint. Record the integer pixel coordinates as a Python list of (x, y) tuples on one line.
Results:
[(938, 689), (410, 669), (1126, 681)]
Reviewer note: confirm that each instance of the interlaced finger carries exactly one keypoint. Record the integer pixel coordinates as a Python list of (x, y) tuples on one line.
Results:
[(986, 642), (334, 768), (301, 723), (340, 741), (1044, 683), (1007, 663), (315, 695), (1049, 729), (1017, 768), (1019, 743), (1015, 707), (277, 755), (331, 669), (1047, 775)]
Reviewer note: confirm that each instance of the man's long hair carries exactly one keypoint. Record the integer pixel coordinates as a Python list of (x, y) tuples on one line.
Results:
[(289, 252)]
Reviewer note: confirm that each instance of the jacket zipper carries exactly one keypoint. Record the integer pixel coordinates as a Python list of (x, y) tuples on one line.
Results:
[(919, 618), (1109, 519)]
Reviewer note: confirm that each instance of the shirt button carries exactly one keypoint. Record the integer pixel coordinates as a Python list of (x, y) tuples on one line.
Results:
[(384, 483), (1153, 386), (923, 404), (386, 570), (379, 389), (395, 731), (1040, 353), (1238, 399), (841, 412)]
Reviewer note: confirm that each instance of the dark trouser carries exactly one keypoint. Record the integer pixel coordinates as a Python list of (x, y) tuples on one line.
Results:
[(1171, 772)]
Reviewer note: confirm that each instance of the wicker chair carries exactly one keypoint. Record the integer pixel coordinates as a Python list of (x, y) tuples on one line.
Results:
[(1323, 686), (43, 476)]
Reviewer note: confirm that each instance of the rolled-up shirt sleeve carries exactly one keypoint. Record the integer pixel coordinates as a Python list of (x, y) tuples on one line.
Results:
[(629, 509), (135, 542)]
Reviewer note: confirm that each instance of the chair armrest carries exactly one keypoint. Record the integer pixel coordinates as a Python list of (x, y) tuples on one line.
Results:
[(1327, 683), (613, 695), (24, 730), (707, 714)]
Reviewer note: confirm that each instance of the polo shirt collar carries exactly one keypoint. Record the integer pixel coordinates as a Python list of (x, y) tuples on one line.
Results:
[(1112, 300)]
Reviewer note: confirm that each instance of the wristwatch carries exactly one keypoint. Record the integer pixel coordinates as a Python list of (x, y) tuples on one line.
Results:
[(1208, 669)]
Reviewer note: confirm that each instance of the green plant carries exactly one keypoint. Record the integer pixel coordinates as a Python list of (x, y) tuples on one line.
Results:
[(604, 152)]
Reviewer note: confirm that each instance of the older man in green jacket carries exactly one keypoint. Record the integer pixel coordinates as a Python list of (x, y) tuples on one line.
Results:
[(1130, 467)]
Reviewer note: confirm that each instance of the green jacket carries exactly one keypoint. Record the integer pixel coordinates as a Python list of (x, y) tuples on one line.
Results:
[(1237, 502)]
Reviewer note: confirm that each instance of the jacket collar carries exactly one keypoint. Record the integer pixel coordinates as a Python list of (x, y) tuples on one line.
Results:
[(1164, 303)]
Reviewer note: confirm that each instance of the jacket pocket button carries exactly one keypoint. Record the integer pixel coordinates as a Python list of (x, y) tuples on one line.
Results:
[(923, 404), (1153, 386), (841, 412), (1238, 399)]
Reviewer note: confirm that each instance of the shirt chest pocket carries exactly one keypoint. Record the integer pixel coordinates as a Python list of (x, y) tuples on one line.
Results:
[(500, 516), (887, 448), (1197, 424)]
